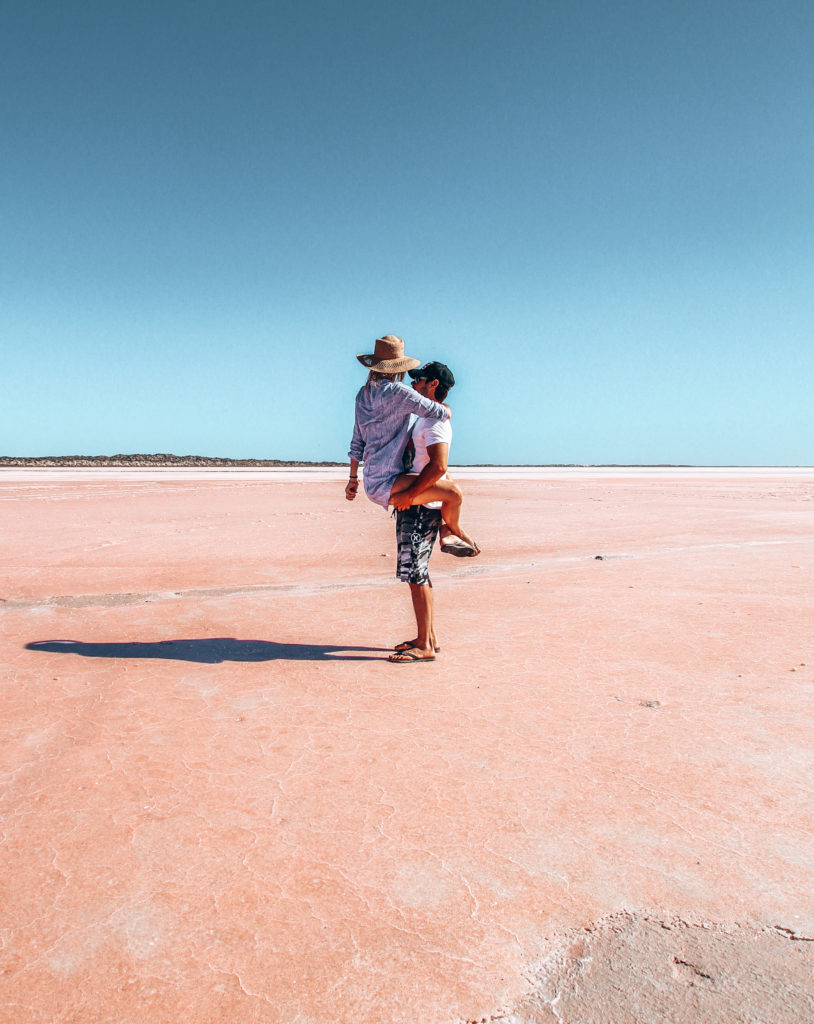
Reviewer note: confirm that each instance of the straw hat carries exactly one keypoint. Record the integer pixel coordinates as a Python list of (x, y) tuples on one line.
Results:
[(388, 356)]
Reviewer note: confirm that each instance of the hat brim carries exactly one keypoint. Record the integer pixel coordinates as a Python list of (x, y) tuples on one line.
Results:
[(389, 365)]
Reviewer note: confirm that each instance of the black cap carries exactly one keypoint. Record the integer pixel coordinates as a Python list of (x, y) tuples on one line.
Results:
[(434, 371)]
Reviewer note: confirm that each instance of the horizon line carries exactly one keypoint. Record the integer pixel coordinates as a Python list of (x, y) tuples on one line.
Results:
[(179, 461)]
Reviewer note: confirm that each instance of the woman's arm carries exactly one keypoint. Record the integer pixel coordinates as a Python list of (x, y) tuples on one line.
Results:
[(352, 486), (410, 400), (357, 445), (355, 454)]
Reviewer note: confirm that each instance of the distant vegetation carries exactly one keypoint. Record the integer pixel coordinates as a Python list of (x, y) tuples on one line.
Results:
[(74, 461), (149, 460)]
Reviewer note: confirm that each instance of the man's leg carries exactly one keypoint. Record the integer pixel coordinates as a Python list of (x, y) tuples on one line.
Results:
[(416, 531), (424, 646), (422, 596)]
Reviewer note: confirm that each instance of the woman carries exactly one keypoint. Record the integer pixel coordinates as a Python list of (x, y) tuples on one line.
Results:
[(381, 432)]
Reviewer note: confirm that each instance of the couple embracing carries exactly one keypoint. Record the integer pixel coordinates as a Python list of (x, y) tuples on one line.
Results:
[(392, 423)]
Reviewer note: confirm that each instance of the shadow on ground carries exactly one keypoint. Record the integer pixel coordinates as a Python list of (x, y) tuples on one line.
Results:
[(211, 651)]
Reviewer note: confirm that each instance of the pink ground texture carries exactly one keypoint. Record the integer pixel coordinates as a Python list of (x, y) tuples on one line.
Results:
[(220, 803)]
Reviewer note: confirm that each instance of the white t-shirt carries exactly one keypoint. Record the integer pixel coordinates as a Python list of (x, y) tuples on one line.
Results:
[(425, 432)]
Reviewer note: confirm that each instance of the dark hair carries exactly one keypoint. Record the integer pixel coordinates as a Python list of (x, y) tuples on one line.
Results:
[(441, 392)]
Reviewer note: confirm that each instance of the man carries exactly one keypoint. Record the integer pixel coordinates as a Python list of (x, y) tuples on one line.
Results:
[(381, 430), (417, 526)]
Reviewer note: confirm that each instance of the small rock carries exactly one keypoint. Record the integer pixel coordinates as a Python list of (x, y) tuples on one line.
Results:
[(599, 558)]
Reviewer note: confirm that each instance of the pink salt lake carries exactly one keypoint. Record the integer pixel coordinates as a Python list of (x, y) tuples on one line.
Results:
[(222, 804)]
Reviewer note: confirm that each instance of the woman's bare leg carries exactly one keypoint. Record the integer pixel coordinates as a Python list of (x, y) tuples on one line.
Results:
[(445, 531), (445, 491)]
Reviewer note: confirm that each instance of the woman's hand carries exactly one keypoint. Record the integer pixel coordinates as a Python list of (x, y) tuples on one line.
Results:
[(351, 488)]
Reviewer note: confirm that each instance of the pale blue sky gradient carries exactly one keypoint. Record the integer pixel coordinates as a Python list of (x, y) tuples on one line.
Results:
[(600, 215)]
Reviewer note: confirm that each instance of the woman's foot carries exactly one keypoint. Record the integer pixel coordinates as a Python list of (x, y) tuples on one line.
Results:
[(450, 536), (453, 545)]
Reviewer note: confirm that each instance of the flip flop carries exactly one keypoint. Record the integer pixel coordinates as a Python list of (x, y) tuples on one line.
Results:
[(407, 646), (408, 657), (455, 546)]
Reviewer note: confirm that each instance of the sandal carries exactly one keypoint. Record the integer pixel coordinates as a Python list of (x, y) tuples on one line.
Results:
[(455, 546), (408, 657)]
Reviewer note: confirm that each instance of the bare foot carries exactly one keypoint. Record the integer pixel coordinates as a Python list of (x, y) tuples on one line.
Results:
[(452, 545), (467, 540), (446, 532), (408, 645), (411, 655)]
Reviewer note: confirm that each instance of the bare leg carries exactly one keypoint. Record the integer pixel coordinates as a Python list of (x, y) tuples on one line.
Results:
[(423, 607), (424, 646), (420, 602), (450, 496)]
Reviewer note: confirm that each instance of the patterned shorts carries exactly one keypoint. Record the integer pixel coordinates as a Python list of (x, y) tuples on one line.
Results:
[(416, 530)]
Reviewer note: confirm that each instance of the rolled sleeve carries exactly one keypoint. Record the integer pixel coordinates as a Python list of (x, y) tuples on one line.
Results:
[(357, 445), (411, 401)]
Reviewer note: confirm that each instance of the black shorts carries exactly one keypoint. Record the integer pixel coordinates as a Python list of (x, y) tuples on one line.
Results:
[(416, 530)]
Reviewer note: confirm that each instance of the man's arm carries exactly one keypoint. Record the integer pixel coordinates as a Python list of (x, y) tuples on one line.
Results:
[(429, 475)]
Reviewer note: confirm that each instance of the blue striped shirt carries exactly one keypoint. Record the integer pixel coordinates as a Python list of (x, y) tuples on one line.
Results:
[(381, 430)]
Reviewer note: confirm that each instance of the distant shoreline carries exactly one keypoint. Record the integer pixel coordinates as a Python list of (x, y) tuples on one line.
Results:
[(168, 461), (152, 462), (209, 462)]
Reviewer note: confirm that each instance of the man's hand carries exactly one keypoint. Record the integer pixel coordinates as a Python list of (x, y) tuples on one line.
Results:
[(402, 500), (351, 488)]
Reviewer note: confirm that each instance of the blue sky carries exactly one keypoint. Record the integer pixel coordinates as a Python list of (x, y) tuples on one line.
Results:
[(601, 216)]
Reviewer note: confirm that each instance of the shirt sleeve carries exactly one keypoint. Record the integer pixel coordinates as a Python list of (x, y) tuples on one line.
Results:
[(357, 444), (438, 432), (410, 400)]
